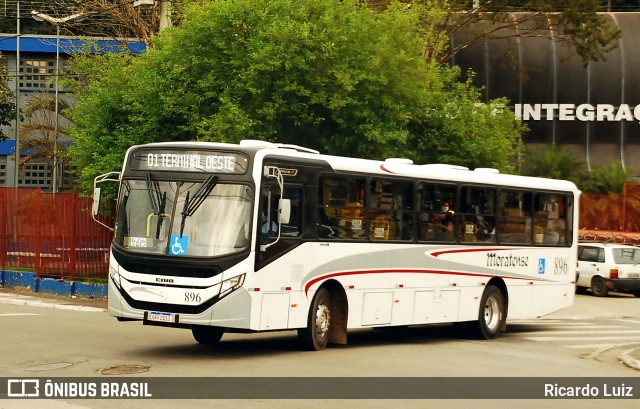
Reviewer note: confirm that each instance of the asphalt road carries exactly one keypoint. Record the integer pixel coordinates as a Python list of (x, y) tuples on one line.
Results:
[(53, 337)]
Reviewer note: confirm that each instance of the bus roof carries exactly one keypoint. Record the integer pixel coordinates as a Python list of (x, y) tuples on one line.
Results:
[(390, 167), (436, 171)]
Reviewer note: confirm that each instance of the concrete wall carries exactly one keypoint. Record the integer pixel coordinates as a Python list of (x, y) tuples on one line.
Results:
[(29, 282)]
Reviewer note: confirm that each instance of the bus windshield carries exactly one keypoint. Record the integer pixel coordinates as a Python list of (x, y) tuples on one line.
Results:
[(205, 219)]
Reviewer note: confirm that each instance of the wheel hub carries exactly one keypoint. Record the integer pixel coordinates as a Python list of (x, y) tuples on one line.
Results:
[(492, 313), (323, 317)]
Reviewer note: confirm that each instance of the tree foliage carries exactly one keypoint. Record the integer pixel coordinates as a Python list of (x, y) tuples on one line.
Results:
[(103, 18), (114, 18), (553, 162), (7, 102), (605, 179), (578, 23), (326, 74), (40, 133)]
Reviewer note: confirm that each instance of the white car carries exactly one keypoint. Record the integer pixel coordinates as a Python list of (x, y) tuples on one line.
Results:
[(608, 266)]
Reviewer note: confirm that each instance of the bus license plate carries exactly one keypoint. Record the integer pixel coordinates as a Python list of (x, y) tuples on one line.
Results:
[(633, 275), (160, 316)]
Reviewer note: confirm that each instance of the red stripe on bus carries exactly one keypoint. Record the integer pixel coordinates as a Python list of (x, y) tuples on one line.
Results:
[(385, 169), (410, 271)]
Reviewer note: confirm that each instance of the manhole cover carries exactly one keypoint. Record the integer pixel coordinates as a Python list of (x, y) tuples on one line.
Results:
[(46, 367), (125, 369)]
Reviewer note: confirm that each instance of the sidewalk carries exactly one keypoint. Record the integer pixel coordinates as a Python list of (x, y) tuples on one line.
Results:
[(44, 300)]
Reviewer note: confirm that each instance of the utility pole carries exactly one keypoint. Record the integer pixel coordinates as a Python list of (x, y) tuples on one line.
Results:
[(17, 80), (165, 18), (56, 22), (164, 6)]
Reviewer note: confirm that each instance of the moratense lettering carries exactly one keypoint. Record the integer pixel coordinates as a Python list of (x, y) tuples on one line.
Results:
[(580, 112), (494, 260)]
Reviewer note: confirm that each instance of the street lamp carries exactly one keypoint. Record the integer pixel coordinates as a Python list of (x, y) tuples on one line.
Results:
[(56, 22)]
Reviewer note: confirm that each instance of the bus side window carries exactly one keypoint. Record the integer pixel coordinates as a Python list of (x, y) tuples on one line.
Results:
[(477, 214), (390, 210), (436, 210), (341, 210), (294, 227), (514, 224), (269, 223), (550, 218)]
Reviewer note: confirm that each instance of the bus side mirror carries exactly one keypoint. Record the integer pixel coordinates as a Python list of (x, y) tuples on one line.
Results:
[(284, 213), (95, 208)]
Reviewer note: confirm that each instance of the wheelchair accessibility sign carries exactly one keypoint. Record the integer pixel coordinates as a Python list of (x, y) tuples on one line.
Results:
[(178, 245), (541, 266)]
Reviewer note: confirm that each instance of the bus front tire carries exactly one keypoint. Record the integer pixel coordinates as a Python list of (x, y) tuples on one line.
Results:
[(207, 335), (316, 336), (490, 313)]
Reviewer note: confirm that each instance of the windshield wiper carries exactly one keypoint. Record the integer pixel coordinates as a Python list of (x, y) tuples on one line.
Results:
[(153, 189), (191, 205), (163, 203), (158, 200)]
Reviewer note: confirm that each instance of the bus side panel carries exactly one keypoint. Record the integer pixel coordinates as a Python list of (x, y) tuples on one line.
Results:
[(436, 305), (551, 297), (234, 311), (520, 298)]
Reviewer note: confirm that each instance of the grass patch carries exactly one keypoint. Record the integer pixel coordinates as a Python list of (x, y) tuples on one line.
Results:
[(88, 280), (20, 269)]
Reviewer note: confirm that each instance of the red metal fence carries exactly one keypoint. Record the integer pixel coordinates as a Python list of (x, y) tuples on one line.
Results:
[(618, 213), (53, 234)]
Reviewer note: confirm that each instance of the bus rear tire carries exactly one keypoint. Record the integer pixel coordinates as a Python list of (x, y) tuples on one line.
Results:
[(316, 336), (491, 313), (207, 335)]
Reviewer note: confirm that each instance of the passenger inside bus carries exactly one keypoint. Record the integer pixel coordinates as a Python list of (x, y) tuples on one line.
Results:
[(487, 233)]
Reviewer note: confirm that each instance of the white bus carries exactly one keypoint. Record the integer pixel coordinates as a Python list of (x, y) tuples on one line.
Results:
[(265, 237)]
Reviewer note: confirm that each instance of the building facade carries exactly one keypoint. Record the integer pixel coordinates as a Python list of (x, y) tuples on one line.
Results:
[(592, 110), (34, 64)]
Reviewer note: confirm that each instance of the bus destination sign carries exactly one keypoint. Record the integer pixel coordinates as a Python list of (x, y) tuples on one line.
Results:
[(190, 161)]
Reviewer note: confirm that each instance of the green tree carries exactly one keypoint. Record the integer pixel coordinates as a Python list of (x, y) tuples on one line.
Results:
[(553, 162), (7, 101), (326, 74), (605, 179), (42, 134), (464, 132)]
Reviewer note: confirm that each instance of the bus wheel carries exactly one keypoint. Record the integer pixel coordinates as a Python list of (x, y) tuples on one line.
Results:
[(316, 336), (599, 287), (490, 313), (207, 335)]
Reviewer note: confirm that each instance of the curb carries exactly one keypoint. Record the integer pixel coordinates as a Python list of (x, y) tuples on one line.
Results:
[(627, 358), (17, 299), (29, 281)]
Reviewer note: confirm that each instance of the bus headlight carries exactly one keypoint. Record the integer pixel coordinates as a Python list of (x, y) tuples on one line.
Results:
[(113, 273), (230, 285)]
